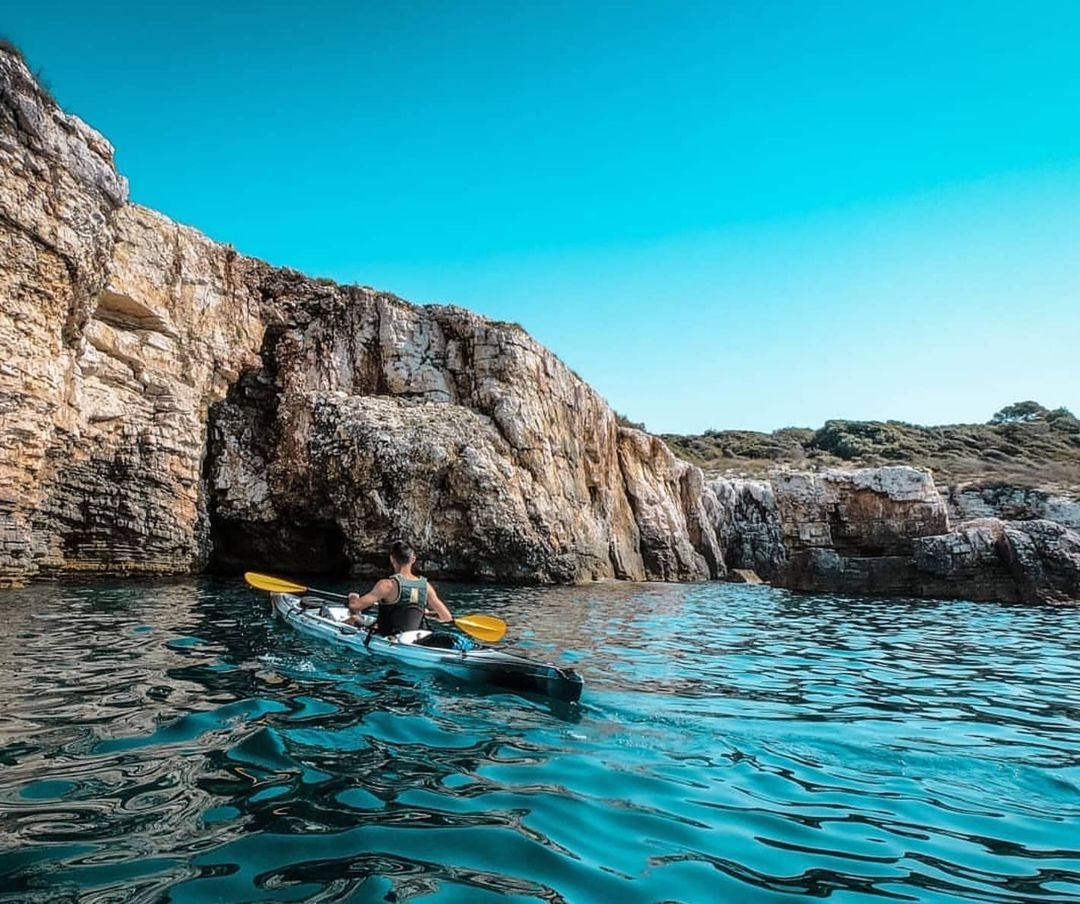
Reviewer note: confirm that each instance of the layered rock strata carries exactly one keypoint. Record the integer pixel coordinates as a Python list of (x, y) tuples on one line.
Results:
[(887, 531), (162, 397), (994, 499), (373, 418)]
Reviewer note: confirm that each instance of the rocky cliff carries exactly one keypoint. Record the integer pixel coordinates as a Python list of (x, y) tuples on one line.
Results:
[(1012, 502), (168, 405), (371, 418), (888, 531)]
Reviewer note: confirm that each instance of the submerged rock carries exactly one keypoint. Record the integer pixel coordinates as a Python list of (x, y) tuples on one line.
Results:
[(743, 576)]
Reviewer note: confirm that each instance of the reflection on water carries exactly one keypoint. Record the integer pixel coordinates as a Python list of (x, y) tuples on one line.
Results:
[(170, 742)]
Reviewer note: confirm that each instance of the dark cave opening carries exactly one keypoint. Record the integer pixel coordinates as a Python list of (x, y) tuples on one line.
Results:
[(242, 437), (279, 547)]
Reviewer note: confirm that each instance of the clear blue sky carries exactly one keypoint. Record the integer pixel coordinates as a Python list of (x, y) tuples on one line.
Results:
[(744, 214)]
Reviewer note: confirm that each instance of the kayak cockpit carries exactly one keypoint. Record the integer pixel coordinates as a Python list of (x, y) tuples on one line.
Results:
[(314, 607)]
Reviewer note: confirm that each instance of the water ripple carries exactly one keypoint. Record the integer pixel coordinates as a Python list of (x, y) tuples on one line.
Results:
[(168, 741)]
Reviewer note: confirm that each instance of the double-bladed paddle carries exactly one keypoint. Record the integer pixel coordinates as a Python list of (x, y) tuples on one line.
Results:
[(483, 627)]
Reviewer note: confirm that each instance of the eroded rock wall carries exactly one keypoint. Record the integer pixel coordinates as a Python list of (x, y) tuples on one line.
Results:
[(351, 416), (746, 520), (854, 531), (888, 531), (995, 499), (58, 195), (377, 419)]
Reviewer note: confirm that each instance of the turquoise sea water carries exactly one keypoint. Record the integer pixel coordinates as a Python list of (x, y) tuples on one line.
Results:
[(170, 742)]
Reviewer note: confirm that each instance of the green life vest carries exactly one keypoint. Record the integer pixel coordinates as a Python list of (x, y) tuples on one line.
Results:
[(406, 611)]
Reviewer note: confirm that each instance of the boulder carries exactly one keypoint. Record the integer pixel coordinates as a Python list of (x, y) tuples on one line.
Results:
[(1032, 561), (746, 520)]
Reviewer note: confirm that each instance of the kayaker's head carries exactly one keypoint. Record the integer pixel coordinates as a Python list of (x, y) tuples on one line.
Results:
[(402, 555)]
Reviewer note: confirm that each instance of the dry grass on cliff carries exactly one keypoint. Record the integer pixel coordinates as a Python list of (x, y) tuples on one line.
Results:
[(1041, 450), (8, 46)]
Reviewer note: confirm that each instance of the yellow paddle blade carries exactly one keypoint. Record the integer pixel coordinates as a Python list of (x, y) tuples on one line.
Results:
[(274, 585), (482, 627)]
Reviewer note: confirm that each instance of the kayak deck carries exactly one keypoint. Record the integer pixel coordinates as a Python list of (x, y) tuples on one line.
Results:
[(480, 663)]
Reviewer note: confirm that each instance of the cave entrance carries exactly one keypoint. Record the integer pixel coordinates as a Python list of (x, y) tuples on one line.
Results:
[(295, 547), (242, 437)]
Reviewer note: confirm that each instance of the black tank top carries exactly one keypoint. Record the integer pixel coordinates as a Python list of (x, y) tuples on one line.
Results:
[(406, 613)]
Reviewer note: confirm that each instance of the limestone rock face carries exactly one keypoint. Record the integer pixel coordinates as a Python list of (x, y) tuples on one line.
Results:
[(666, 496), (970, 561), (887, 531), (870, 511), (854, 531), (378, 467), (994, 499), (1044, 556), (117, 330), (373, 419), (58, 195), (166, 334), (746, 520), (173, 326), (1002, 560)]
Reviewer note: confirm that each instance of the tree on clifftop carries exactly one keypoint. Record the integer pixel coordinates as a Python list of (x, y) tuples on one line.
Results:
[(1019, 411)]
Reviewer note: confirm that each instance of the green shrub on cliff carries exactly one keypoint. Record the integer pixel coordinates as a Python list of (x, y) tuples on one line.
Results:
[(1023, 443), (1020, 411), (623, 421)]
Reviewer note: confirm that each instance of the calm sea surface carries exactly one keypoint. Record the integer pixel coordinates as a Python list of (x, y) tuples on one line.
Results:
[(170, 742)]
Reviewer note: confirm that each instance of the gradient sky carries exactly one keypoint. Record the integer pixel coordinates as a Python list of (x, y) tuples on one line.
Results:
[(742, 214)]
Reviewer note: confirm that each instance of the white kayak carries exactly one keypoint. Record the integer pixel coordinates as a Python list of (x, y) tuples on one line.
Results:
[(494, 667)]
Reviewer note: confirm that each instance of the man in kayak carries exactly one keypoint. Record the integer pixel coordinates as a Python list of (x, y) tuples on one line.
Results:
[(403, 598)]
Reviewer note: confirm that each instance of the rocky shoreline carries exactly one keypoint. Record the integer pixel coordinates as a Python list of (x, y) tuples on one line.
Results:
[(890, 531), (168, 405)]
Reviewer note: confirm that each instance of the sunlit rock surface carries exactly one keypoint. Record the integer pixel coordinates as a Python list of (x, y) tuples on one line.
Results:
[(887, 531), (352, 416), (375, 419)]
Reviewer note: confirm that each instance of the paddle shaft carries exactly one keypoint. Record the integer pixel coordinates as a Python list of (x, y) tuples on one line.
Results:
[(330, 593)]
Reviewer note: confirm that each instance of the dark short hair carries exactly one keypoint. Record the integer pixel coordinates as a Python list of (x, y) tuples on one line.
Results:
[(401, 552)]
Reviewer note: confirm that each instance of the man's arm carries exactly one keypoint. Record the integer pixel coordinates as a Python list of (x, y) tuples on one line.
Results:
[(438, 607), (381, 592)]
